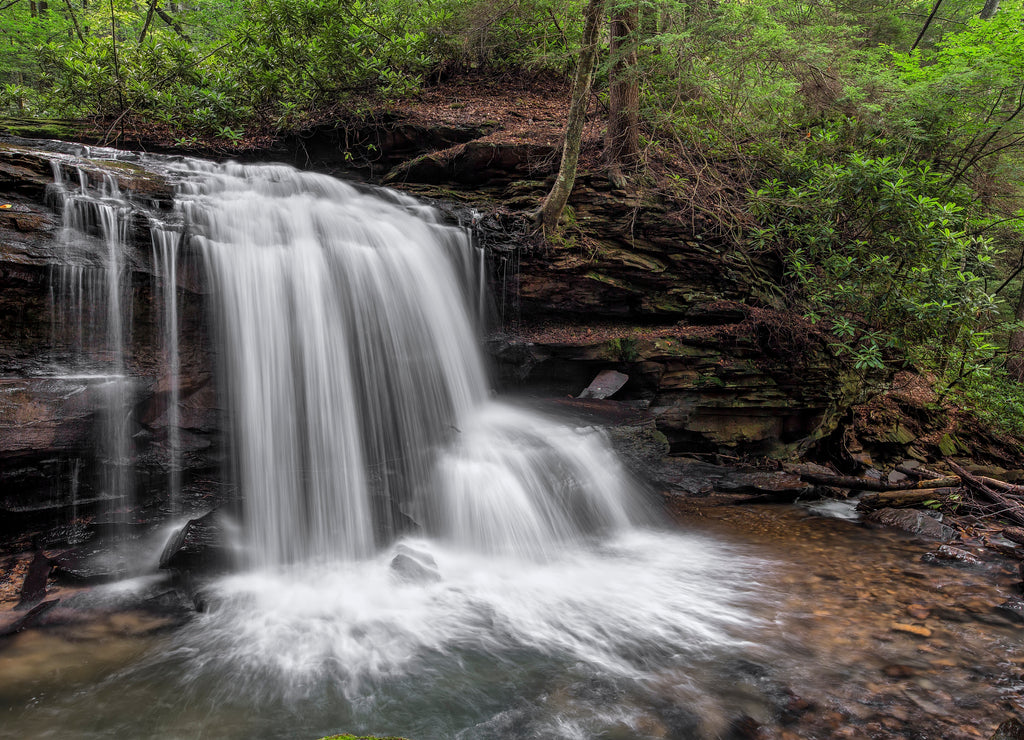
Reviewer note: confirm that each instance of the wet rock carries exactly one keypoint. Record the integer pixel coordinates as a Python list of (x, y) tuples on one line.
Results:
[(607, 383), (413, 566), (203, 545), (916, 522), (1011, 729), (896, 476), (951, 554), (794, 707), (33, 590), (899, 670)]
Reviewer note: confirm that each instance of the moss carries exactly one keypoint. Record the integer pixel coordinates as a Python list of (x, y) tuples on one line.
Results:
[(360, 737), (623, 349), (43, 128)]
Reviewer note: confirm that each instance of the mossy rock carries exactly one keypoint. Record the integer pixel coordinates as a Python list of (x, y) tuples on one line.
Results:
[(360, 737), (900, 435), (950, 445)]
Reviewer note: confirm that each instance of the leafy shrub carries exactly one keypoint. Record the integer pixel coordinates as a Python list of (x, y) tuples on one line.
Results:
[(880, 251)]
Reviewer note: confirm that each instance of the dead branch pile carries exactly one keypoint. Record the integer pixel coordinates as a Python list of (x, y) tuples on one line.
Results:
[(963, 492)]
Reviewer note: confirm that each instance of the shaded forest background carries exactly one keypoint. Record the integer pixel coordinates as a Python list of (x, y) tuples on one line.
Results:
[(877, 148)]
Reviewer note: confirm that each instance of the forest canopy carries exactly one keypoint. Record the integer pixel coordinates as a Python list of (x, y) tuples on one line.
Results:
[(880, 141)]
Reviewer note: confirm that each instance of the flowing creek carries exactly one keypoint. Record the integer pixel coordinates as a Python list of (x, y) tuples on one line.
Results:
[(747, 617), (542, 593)]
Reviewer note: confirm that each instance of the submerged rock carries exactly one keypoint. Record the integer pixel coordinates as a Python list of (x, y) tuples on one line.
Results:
[(33, 590), (916, 522), (954, 554)]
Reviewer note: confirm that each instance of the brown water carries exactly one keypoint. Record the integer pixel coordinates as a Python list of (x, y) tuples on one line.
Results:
[(850, 635), (853, 672)]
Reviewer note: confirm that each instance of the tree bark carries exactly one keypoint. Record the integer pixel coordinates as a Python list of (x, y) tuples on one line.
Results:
[(622, 140), (74, 21), (551, 209), (990, 9)]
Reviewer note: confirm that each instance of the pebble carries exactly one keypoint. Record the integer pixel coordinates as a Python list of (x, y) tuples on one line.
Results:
[(912, 629), (919, 611)]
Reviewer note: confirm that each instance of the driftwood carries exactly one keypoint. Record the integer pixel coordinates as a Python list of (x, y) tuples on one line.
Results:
[(921, 473)]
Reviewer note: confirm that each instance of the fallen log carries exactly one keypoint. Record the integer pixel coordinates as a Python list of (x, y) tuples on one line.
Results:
[(871, 484), (902, 499), (919, 472)]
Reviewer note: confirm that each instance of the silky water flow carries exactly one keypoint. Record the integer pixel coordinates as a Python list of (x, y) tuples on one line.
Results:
[(418, 558)]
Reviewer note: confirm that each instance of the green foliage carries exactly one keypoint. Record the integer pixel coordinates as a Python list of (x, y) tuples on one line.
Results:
[(222, 65), (963, 100), (881, 252)]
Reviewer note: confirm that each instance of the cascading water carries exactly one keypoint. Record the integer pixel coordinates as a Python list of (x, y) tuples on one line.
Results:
[(356, 385), (165, 262), (91, 316), (422, 559)]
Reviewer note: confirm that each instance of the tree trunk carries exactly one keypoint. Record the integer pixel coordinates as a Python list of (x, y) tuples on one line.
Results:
[(74, 21), (927, 23), (1015, 350), (149, 19), (622, 140), (990, 9), (551, 209)]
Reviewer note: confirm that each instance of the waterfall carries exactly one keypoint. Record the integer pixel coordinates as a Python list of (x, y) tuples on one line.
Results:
[(165, 263), (356, 386), (92, 314)]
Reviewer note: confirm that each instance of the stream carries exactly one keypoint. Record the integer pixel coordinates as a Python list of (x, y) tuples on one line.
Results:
[(765, 621)]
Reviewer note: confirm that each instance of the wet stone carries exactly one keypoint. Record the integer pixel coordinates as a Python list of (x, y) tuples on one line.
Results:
[(899, 670), (913, 629), (918, 611), (951, 554), (1013, 609), (202, 545)]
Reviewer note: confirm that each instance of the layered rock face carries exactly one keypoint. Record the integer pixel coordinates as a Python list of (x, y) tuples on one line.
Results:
[(57, 369)]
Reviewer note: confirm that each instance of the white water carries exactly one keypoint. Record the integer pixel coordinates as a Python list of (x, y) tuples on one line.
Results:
[(92, 315), (357, 386), (541, 603)]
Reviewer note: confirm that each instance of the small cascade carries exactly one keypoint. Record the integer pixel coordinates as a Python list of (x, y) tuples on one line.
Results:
[(92, 314)]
